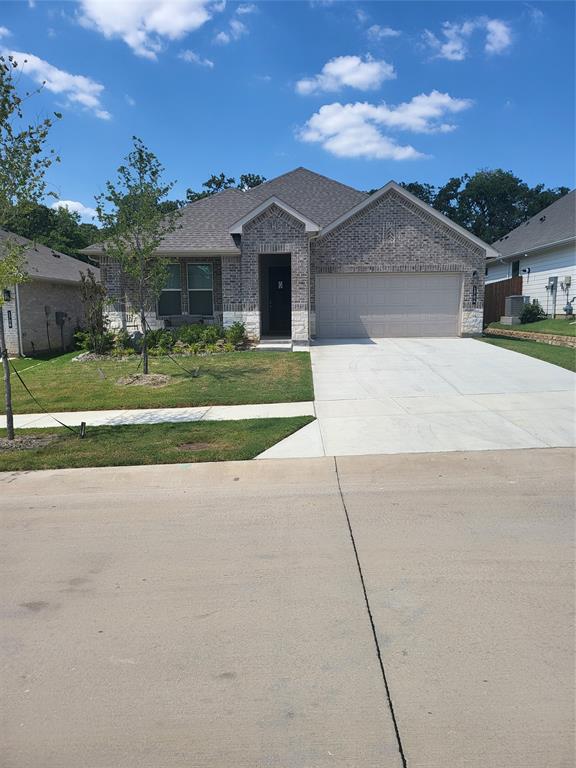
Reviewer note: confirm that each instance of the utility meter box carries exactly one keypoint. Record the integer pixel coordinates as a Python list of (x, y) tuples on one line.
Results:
[(60, 318)]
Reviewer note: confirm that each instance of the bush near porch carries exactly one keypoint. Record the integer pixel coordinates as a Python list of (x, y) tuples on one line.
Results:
[(234, 378)]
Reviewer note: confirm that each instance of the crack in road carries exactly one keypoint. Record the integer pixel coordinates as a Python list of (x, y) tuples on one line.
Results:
[(371, 618)]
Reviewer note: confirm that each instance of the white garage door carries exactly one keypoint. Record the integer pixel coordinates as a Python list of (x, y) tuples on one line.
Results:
[(380, 305)]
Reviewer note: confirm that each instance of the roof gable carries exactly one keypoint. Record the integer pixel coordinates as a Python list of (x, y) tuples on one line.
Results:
[(309, 225), (392, 186)]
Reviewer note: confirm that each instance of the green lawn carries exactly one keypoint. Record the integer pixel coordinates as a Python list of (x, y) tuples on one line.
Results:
[(152, 444), (562, 356), (559, 326), (227, 379)]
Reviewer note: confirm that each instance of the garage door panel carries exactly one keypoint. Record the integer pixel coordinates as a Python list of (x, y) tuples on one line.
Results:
[(381, 305)]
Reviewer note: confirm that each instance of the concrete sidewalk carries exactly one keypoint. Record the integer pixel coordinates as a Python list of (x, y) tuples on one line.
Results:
[(213, 615), (162, 415)]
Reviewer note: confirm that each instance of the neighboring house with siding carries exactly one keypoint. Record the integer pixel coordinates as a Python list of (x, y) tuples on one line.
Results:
[(543, 252), (42, 314), (302, 256)]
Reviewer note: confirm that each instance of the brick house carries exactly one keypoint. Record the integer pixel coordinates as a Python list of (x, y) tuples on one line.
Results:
[(42, 314), (302, 256)]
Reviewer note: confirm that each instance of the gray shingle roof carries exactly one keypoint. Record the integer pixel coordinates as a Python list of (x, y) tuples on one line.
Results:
[(47, 264), (552, 225), (205, 224)]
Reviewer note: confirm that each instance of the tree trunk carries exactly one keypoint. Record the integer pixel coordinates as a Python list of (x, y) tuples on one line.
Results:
[(7, 384), (144, 341)]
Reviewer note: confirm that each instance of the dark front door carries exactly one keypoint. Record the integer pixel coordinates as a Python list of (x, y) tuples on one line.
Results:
[(279, 300)]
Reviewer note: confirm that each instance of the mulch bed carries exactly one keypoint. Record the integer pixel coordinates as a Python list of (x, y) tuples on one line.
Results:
[(145, 380), (26, 442)]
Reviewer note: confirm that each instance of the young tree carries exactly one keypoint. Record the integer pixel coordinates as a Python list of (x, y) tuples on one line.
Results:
[(24, 160), (12, 273), (135, 221)]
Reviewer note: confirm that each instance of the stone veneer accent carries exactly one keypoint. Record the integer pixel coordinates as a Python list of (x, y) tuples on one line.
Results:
[(554, 339), (394, 235)]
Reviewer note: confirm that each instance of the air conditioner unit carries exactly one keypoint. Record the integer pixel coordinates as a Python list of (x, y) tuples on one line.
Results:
[(513, 305)]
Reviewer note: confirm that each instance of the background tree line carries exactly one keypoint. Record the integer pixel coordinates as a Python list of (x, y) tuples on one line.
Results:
[(489, 203)]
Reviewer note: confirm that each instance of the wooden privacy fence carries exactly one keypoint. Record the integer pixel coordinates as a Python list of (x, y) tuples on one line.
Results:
[(495, 294)]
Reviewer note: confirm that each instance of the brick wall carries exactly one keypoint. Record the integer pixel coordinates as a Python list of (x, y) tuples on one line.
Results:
[(394, 235), (8, 310), (119, 287), (39, 302)]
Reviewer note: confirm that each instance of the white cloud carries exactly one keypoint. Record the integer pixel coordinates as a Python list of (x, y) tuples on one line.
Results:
[(453, 45), (76, 207), (130, 101), (356, 130), (145, 24), (498, 36), (347, 71), (376, 32), (246, 8), (4, 32), (77, 89), (193, 58), (236, 30), (536, 16)]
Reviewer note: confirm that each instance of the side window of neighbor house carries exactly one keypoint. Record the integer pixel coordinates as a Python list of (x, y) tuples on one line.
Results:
[(170, 301), (515, 268), (200, 289)]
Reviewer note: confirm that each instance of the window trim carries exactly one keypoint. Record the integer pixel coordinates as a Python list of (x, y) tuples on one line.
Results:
[(201, 290), (171, 290)]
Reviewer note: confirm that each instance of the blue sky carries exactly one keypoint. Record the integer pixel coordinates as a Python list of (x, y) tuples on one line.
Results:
[(362, 92)]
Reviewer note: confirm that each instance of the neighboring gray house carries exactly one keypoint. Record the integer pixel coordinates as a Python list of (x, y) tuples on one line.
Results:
[(543, 252), (42, 314), (302, 256)]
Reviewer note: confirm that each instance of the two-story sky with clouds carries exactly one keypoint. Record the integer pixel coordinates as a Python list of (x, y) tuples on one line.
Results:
[(363, 92)]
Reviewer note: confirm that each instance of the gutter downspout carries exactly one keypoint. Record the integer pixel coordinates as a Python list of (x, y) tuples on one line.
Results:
[(18, 320)]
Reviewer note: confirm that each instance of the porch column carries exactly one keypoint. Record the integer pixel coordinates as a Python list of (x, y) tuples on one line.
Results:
[(300, 264)]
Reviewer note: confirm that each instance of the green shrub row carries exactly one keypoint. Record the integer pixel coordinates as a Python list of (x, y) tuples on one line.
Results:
[(186, 340)]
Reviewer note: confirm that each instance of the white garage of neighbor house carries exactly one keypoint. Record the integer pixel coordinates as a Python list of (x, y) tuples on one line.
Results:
[(42, 314), (303, 256), (543, 252)]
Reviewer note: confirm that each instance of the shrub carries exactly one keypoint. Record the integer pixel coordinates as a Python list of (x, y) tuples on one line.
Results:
[(190, 334), (160, 341), (88, 341), (212, 334), (123, 344), (533, 312), (236, 334)]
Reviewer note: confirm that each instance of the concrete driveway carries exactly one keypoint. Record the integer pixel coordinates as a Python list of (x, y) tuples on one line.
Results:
[(216, 615), (377, 396)]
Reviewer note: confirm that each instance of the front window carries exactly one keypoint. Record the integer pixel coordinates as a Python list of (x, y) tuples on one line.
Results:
[(200, 289), (170, 301)]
